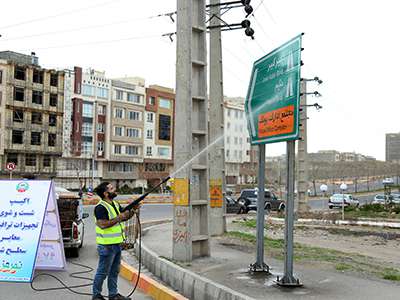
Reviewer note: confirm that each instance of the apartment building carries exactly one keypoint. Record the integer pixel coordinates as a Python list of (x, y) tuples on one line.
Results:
[(159, 134), (238, 151), (392, 147), (126, 133), (87, 115), (31, 115)]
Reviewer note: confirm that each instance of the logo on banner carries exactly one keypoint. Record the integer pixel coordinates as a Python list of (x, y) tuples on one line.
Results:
[(22, 187)]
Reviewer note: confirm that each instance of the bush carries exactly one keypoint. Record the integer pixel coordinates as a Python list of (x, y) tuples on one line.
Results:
[(373, 208)]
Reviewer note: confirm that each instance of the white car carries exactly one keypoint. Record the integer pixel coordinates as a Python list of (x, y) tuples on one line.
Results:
[(380, 199), (338, 200)]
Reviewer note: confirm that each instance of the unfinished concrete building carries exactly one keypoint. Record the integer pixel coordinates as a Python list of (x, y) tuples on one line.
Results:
[(31, 115)]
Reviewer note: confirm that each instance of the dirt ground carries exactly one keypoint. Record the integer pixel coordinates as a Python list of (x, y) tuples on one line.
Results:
[(378, 243)]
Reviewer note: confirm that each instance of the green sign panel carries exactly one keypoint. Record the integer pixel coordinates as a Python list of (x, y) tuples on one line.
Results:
[(273, 97)]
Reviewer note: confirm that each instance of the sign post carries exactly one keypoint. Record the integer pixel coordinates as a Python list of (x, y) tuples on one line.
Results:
[(11, 167), (272, 109)]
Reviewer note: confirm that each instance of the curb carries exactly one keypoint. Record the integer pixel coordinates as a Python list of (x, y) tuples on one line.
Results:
[(149, 286), (190, 284)]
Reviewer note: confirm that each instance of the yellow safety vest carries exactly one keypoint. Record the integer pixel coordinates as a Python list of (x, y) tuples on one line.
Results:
[(113, 234)]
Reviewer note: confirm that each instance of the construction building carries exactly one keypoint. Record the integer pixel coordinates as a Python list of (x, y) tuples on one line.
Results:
[(31, 115)]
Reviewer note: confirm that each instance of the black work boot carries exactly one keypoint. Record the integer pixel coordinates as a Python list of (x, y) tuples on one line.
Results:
[(119, 297), (98, 297)]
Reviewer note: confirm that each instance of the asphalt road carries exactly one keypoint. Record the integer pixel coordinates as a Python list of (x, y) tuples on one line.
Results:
[(88, 256), (321, 204)]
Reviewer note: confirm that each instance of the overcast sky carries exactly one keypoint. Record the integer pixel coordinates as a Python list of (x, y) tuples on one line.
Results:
[(352, 46)]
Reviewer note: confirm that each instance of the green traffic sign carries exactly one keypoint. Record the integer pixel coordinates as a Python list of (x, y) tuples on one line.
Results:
[(273, 97)]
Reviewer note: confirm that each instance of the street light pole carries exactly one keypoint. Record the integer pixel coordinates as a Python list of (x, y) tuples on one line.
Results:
[(343, 188)]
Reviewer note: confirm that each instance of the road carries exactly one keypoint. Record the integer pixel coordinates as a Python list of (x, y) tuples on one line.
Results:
[(88, 256), (320, 204)]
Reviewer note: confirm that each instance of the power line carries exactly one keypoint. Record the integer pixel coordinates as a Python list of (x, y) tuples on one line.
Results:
[(97, 42), (81, 28), (69, 12), (268, 12)]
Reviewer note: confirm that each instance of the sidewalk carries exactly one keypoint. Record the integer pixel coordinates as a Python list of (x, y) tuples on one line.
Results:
[(228, 267)]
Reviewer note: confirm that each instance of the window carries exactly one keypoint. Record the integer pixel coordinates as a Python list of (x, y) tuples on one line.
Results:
[(149, 151), (132, 132), (119, 113), (236, 140), (100, 146), (38, 76), (100, 127), (152, 100), (133, 98), (117, 149), (228, 140), (236, 114), (162, 151), (101, 110), (119, 95), (30, 160), (1, 76), (87, 148), (87, 129), (46, 161), (87, 90), (228, 125), (236, 153), (164, 128), (150, 117), (227, 153), (12, 157), (134, 115), (17, 137), (247, 152), (241, 128), (53, 100), (35, 138), (248, 140), (165, 103), (118, 131), (240, 154), (36, 118), (87, 110), (240, 141), (149, 134), (18, 116), (132, 150), (37, 97), (54, 80), (52, 120), (19, 73), (102, 93), (19, 94), (52, 139)]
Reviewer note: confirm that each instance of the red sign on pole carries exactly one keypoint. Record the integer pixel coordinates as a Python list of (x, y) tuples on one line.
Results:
[(11, 166)]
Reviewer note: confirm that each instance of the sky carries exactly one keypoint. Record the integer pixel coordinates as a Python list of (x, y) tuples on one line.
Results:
[(351, 45)]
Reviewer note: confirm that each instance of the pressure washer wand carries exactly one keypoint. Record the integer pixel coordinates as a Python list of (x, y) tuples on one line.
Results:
[(141, 198)]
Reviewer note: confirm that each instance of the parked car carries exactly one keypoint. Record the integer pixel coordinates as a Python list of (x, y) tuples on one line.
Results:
[(232, 206), (71, 218), (396, 198), (248, 200), (338, 200), (381, 199)]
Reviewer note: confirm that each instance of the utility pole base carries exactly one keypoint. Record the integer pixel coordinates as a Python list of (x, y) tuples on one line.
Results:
[(256, 268), (288, 281)]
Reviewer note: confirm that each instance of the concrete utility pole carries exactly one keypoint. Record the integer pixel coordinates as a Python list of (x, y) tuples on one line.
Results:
[(216, 130), (302, 156), (191, 205)]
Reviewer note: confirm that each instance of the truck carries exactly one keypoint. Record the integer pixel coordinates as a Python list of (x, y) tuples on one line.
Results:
[(71, 213)]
